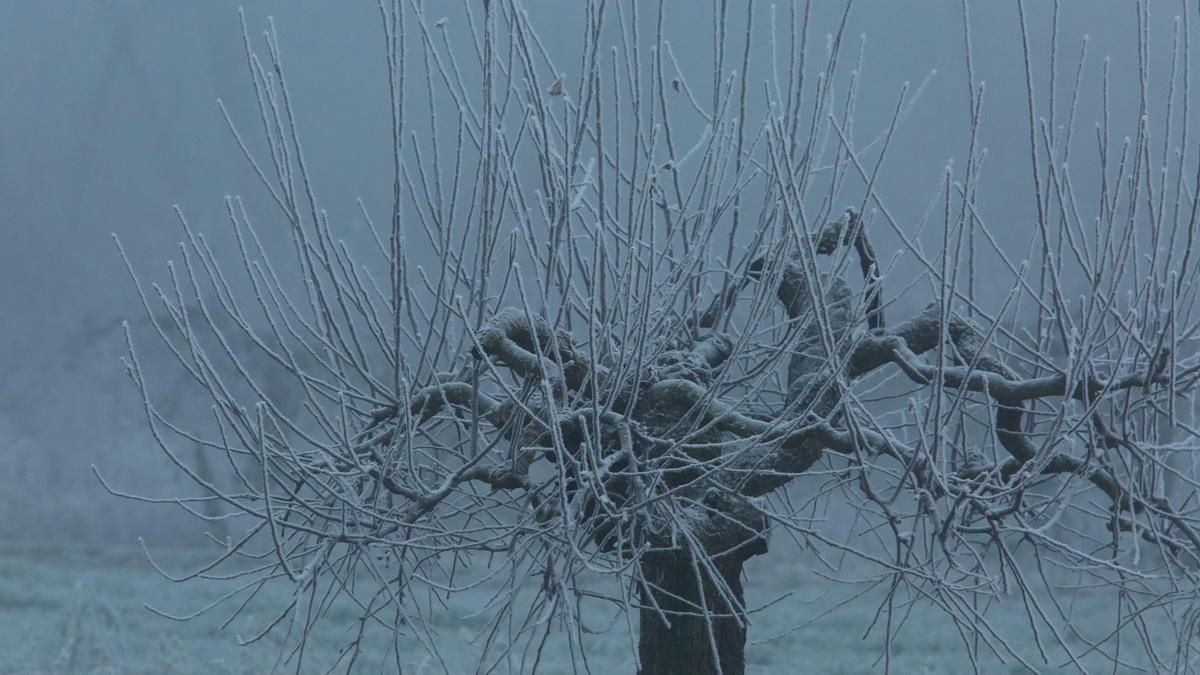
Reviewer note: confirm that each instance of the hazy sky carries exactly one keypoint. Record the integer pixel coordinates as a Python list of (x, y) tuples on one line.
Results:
[(110, 116)]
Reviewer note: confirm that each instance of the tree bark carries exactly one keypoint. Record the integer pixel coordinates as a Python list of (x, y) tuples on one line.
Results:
[(686, 646)]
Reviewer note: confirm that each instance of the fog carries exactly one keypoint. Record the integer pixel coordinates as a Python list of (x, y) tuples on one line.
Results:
[(110, 118)]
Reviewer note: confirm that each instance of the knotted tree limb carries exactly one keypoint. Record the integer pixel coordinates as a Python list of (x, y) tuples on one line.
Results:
[(992, 377), (532, 348), (851, 230), (848, 230), (767, 454), (778, 456)]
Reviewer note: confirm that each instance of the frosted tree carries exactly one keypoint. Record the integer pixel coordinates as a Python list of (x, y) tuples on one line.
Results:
[(619, 334)]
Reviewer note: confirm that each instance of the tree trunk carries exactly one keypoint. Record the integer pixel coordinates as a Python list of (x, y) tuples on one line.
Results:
[(685, 647)]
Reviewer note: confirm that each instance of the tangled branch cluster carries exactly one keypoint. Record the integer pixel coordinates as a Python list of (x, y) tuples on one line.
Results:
[(582, 386)]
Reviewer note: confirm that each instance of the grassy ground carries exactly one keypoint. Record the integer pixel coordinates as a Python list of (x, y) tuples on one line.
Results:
[(66, 610)]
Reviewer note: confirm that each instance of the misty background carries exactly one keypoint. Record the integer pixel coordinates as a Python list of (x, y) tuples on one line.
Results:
[(109, 118)]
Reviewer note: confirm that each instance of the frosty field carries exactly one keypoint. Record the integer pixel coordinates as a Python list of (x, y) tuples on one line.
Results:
[(74, 610)]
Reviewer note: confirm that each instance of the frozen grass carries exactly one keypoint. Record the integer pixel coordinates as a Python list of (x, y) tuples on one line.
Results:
[(80, 611)]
